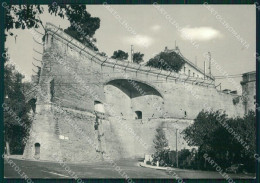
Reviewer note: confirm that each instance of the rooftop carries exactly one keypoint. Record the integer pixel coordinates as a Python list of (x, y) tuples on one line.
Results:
[(177, 50)]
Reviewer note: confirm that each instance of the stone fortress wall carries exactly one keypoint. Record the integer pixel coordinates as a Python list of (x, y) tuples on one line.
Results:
[(117, 105)]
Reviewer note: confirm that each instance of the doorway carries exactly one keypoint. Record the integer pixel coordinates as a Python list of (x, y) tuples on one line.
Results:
[(37, 150)]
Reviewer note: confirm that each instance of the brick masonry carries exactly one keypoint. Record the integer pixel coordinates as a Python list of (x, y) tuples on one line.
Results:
[(73, 78)]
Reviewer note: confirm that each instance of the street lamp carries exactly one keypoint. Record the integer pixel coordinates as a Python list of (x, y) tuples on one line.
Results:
[(176, 148)]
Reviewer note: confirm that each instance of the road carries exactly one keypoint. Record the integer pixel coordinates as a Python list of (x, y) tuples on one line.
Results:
[(34, 169)]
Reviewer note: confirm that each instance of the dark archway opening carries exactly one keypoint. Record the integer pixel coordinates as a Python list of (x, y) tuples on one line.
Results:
[(138, 115), (37, 150)]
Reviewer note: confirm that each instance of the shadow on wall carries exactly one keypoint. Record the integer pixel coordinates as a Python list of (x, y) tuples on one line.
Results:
[(132, 99)]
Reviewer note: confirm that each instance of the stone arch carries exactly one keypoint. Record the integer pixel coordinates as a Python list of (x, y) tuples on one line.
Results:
[(127, 96), (132, 80)]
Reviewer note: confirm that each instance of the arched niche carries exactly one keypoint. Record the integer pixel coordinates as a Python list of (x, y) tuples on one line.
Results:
[(127, 96)]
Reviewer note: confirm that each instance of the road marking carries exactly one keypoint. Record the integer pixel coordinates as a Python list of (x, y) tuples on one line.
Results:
[(56, 174)]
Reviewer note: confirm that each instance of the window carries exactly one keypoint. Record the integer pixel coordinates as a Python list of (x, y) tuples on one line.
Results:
[(193, 74), (99, 107), (184, 69), (138, 114), (189, 72)]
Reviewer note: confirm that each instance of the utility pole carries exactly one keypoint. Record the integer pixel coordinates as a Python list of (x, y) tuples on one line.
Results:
[(132, 53), (209, 63), (204, 70), (177, 148)]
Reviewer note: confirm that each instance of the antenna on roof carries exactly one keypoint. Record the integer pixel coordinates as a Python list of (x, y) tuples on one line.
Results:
[(132, 53), (204, 70), (175, 44), (209, 63)]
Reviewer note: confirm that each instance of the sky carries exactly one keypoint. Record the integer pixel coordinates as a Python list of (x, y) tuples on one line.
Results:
[(149, 31)]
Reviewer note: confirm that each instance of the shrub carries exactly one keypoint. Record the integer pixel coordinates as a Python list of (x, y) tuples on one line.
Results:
[(235, 100), (148, 162), (167, 61)]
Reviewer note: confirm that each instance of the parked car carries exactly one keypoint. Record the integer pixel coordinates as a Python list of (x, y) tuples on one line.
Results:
[(236, 168)]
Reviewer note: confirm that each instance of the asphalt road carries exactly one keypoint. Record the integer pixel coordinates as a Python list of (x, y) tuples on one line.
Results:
[(131, 168)]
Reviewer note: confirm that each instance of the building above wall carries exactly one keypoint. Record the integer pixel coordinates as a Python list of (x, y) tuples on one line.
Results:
[(248, 84), (189, 68)]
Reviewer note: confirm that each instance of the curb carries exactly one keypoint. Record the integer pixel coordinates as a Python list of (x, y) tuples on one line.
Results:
[(48, 161), (155, 167)]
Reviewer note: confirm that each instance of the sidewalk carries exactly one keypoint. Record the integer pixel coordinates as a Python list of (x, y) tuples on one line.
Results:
[(155, 167), (244, 176), (20, 157)]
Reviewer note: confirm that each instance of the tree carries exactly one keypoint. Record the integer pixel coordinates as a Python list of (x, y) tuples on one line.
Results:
[(244, 148), (161, 147), (208, 134), (22, 16), (138, 57), (213, 133), (16, 118), (120, 55), (103, 54), (27, 17), (184, 158), (167, 61), (205, 124), (82, 25)]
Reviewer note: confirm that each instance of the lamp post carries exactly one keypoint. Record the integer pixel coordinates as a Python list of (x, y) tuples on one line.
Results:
[(177, 148), (132, 53)]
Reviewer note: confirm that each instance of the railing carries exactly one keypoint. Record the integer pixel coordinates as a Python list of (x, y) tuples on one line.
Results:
[(112, 62)]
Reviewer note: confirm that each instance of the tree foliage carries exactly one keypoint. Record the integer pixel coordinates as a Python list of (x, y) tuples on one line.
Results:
[(186, 158), (16, 111), (120, 55), (227, 140), (138, 57), (161, 147), (167, 61), (22, 16), (82, 25)]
